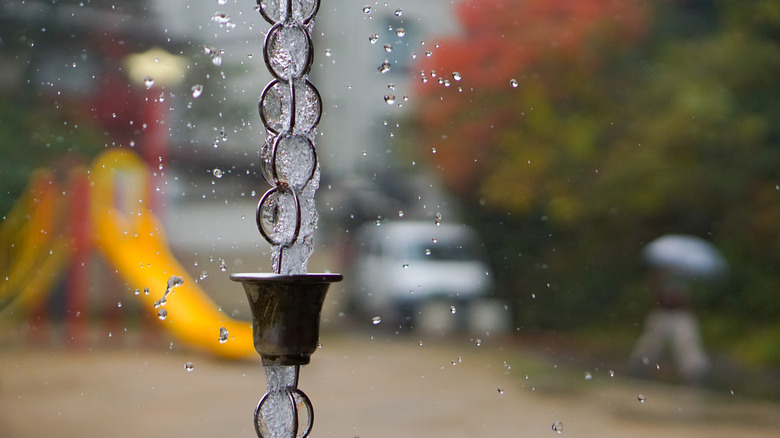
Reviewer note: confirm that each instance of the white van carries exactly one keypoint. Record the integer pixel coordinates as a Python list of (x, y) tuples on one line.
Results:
[(402, 268)]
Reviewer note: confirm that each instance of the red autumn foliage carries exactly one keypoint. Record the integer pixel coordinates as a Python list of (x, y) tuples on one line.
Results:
[(502, 40)]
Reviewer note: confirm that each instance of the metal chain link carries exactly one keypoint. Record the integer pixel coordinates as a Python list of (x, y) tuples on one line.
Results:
[(290, 108)]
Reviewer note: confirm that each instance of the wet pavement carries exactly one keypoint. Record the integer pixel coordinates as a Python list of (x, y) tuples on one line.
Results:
[(360, 387)]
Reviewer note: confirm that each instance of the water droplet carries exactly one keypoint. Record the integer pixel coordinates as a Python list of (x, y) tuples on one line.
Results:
[(500, 390), (189, 366), (390, 98), (437, 219), (435, 240), (641, 398), (400, 213), (148, 81), (146, 291), (197, 90), (513, 82), (328, 53), (373, 38), (398, 12), (223, 335), (453, 310), (221, 2), (367, 9), (405, 266), (203, 275), (174, 281), (119, 304), (384, 67), (162, 314), (428, 53), (611, 373), (558, 427), (456, 76), (217, 173), (222, 265), (400, 32), (388, 48), (137, 291), (588, 376), (222, 19), (427, 251), (478, 342), (376, 320)]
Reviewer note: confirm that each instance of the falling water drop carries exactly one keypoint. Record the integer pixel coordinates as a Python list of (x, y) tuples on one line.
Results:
[(388, 48), (478, 342), (373, 38), (328, 53), (456, 75), (217, 173), (513, 82), (398, 12), (148, 81), (223, 335), (558, 427), (400, 32), (162, 314), (641, 398), (197, 90), (437, 219), (367, 9), (453, 310), (384, 67), (390, 98), (427, 251), (376, 320), (189, 367)]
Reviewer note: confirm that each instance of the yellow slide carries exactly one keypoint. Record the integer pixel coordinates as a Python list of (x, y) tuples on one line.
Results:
[(133, 241), (32, 254)]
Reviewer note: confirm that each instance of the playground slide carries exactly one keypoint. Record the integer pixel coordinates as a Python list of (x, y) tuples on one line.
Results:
[(31, 256), (134, 242)]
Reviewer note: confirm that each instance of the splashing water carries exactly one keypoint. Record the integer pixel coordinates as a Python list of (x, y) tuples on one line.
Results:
[(276, 416)]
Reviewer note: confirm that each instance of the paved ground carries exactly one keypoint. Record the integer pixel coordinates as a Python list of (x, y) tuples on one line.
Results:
[(360, 387)]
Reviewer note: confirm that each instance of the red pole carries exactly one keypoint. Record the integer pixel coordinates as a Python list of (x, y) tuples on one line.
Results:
[(78, 284), (155, 147)]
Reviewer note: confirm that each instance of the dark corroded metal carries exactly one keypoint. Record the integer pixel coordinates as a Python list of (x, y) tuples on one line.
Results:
[(286, 314)]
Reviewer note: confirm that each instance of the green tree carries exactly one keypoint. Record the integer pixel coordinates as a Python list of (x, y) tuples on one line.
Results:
[(627, 121)]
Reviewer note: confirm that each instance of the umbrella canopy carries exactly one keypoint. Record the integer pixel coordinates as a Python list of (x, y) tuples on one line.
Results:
[(686, 254)]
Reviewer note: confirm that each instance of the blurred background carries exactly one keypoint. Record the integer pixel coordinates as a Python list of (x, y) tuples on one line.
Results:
[(492, 172)]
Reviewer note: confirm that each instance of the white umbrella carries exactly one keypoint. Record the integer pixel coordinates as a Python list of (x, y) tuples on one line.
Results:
[(687, 254)]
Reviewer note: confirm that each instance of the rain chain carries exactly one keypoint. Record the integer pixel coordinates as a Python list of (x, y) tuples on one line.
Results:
[(290, 108)]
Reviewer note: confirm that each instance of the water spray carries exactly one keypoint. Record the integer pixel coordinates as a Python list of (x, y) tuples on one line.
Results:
[(286, 305)]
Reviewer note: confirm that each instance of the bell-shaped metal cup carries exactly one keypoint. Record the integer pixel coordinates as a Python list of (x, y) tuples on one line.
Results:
[(286, 314)]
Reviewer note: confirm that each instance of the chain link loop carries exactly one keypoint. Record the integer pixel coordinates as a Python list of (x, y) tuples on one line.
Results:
[(290, 108)]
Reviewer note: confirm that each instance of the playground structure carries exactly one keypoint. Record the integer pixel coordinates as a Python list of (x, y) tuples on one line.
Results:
[(54, 227)]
